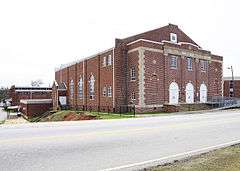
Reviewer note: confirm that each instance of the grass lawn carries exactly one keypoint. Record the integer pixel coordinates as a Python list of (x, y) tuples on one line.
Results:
[(59, 116), (226, 159), (2, 122), (101, 115)]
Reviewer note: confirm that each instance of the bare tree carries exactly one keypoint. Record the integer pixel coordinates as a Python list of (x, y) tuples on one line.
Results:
[(4, 93), (36, 83)]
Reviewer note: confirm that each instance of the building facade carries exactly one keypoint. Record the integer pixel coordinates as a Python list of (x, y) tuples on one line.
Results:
[(161, 66), (232, 87), (23, 93)]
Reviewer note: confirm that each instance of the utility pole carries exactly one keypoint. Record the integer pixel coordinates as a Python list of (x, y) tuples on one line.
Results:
[(231, 84)]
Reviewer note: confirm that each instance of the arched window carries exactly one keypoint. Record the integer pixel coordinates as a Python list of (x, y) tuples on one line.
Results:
[(109, 59), (189, 93), (203, 93), (71, 89), (80, 88), (173, 93), (91, 87)]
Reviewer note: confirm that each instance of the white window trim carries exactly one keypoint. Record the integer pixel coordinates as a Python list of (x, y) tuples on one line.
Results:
[(104, 61), (133, 76), (91, 86), (175, 57), (80, 85), (109, 91), (109, 60), (203, 65), (71, 89), (189, 67), (173, 35)]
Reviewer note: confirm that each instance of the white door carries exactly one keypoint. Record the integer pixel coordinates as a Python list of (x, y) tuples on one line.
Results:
[(189, 93), (173, 93), (203, 93)]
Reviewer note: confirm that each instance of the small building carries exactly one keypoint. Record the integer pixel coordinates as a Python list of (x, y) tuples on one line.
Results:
[(59, 95), (231, 87), (23, 93), (35, 107)]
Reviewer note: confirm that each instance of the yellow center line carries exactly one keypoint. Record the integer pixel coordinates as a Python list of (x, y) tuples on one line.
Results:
[(118, 132)]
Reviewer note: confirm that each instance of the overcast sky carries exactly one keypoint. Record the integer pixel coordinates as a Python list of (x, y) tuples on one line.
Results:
[(37, 36)]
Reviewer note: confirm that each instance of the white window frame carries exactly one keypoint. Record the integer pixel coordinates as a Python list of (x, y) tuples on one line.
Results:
[(173, 62), (133, 73), (189, 63), (91, 87), (109, 60), (203, 65), (104, 61), (71, 88), (109, 91), (80, 88), (173, 37)]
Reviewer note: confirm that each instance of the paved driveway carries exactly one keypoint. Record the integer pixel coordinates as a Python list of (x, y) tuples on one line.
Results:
[(114, 144), (3, 115)]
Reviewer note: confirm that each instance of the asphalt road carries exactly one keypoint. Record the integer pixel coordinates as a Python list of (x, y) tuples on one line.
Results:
[(114, 144)]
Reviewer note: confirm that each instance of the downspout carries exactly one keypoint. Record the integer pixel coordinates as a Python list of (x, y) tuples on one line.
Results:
[(99, 87), (113, 79), (125, 57)]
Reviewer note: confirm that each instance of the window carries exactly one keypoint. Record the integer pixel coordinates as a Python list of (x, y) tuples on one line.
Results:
[(173, 62), (173, 37), (91, 87), (133, 96), (104, 61), (71, 89), (109, 91), (204, 65), (104, 91), (80, 88), (133, 74), (109, 59), (189, 64)]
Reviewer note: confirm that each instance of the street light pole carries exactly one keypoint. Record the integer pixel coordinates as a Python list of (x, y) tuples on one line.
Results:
[(231, 83)]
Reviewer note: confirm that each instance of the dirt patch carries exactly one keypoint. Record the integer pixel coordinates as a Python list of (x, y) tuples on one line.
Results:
[(72, 116)]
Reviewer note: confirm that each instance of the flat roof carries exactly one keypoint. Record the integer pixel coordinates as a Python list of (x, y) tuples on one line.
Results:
[(36, 101), (230, 78)]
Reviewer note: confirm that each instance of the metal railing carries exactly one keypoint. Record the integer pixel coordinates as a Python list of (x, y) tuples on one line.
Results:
[(220, 101)]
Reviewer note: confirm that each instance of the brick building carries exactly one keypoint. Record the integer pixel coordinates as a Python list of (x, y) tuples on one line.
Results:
[(161, 66), (232, 90), (23, 93)]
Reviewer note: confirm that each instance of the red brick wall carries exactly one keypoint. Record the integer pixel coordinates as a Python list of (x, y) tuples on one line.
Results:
[(106, 80), (236, 88), (158, 74), (33, 110), (154, 78), (133, 85), (17, 96), (72, 76), (215, 79)]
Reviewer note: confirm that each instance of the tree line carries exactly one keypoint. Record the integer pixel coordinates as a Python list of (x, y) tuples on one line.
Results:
[(4, 93)]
